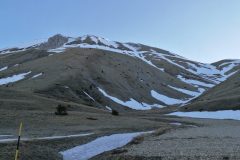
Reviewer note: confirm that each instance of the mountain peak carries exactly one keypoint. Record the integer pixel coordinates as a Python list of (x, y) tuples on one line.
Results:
[(54, 42)]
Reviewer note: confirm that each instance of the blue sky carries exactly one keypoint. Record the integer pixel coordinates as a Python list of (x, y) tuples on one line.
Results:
[(204, 30)]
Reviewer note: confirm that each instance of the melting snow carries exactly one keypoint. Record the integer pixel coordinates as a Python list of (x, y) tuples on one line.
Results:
[(226, 114), (94, 39), (83, 38), (13, 78), (107, 42), (37, 75), (191, 93), (232, 61), (56, 50), (4, 68), (99, 145), (227, 76), (108, 108), (206, 71), (88, 96), (8, 51), (132, 103), (230, 66), (203, 68), (194, 82), (165, 99)]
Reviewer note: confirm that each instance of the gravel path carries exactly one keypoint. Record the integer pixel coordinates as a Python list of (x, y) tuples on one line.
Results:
[(212, 140)]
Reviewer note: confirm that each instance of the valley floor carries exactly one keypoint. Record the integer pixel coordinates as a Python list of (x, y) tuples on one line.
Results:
[(209, 140), (45, 134), (174, 138)]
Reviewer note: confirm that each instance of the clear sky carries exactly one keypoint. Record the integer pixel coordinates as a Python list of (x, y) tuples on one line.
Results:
[(203, 30)]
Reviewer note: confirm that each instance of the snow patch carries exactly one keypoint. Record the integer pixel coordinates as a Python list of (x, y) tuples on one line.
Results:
[(195, 82), (37, 75), (56, 50), (165, 99), (94, 39), (108, 108), (99, 145), (107, 42), (191, 93), (227, 76), (13, 78), (4, 68), (132, 103), (230, 66), (225, 114), (88, 96), (8, 51)]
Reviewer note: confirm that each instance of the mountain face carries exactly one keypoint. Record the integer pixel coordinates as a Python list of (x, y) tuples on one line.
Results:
[(224, 96), (102, 73)]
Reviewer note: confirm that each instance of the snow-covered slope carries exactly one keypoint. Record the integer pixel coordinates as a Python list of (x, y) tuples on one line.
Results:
[(191, 78), (209, 72)]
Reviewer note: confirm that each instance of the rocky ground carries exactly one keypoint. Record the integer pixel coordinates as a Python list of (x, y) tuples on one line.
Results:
[(37, 125), (173, 139), (209, 140)]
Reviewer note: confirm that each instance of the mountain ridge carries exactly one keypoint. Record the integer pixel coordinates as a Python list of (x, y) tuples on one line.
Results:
[(187, 79)]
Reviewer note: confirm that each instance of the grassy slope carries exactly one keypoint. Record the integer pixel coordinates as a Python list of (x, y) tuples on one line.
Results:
[(86, 69)]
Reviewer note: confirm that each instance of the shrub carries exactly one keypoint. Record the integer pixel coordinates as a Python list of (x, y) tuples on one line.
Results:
[(90, 118), (61, 110), (200, 110), (115, 113)]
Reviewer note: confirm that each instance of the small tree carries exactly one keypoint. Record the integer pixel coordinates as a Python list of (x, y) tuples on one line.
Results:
[(61, 110), (114, 112)]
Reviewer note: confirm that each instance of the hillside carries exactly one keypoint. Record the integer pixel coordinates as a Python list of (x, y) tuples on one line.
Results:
[(224, 96), (101, 73)]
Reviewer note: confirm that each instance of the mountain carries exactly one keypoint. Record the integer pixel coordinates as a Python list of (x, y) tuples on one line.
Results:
[(101, 73), (224, 96)]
